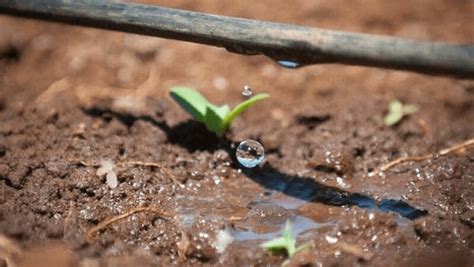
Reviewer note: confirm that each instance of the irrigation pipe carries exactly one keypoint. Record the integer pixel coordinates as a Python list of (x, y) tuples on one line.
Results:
[(278, 41)]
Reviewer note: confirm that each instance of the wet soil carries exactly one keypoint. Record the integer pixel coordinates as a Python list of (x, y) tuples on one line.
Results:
[(71, 97)]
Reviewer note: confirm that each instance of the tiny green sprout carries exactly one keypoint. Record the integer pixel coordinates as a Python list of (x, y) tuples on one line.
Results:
[(217, 119), (284, 244), (396, 111)]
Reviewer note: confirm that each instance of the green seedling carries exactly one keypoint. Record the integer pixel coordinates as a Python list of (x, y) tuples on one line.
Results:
[(396, 111), (217, 119), (284, 244)]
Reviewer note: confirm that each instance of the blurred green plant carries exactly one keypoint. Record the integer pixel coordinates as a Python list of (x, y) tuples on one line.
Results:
[(396, 111), (284, 244), (216, 119)]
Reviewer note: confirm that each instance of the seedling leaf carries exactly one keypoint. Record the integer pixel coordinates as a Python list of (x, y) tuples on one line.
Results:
[(242, 107), (396, 111), (285, 243), (191, 101), (212, 119), (304, 246), (217, 119), (222, 111), (409, 109), (276, 245)]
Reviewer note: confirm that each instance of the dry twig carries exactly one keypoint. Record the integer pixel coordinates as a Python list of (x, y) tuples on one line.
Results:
[(140, 163), (113, 219), (457, 147), (442, 152)]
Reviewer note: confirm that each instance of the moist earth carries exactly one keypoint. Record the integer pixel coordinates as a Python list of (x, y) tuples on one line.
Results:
[(71, 97)]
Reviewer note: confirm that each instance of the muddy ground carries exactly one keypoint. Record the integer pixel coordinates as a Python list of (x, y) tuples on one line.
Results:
[(72, 96)]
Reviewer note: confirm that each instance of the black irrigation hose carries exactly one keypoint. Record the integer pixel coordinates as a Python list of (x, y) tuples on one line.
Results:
[(279, 41)]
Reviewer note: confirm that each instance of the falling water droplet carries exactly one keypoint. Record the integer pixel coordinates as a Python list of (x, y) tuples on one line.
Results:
[(288, 64), (247, 92), (250, 153)]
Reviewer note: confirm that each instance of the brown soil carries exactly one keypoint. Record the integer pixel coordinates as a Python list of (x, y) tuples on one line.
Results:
[(71, 96)]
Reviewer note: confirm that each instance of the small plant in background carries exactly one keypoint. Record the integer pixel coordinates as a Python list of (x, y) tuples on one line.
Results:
[(217, 119), (284, 244), (396, 111)]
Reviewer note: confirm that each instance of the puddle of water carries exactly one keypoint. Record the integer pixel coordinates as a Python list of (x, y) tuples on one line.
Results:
[(300, 225), (286, 202), (240, 235), (307, 189)]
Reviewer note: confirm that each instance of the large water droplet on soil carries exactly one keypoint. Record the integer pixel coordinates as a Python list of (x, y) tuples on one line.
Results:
[(288, 64), (247, 92), (250, 153)]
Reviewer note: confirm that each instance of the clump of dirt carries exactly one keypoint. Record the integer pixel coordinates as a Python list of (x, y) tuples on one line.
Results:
[(71, 97)]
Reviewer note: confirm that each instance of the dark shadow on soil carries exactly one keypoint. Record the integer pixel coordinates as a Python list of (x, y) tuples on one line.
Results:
[(10, 54), (194, 136), (308, 189), (189, 134), (312, 121)]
